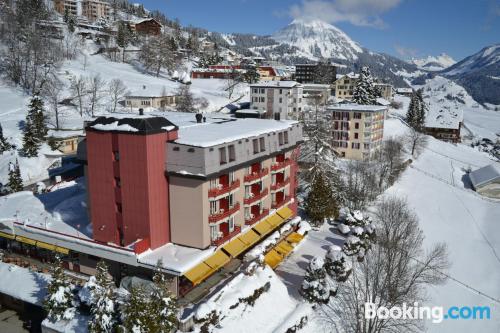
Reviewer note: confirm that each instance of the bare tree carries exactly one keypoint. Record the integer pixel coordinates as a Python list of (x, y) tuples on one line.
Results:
[(69, 46), (79, 88), (397, 270), (360, 184), (185, 100), (117, 90), (157, 53), (96, 86), (52, 91), (232, 80), (388, 161), (415, 142)]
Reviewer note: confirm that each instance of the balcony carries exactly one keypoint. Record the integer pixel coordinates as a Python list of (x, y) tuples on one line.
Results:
[(215, 192), (278, 204), (255, 219), (227, 237), (256, 175), (280, 185), (281, 165), (222, 214), (255, 198)]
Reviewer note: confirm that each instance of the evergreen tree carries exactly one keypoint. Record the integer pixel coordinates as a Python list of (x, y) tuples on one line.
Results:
[(71, 24), (136, 312), (103, 301), (336, 264), (415, 116), (59, 300), (163, 303), (364, 91), (4, 144), (31, 144), (66, 15), (320, 202), (15, 183), (251, 75), (185, 100), (35, 129), (315, 287), (123, 37)]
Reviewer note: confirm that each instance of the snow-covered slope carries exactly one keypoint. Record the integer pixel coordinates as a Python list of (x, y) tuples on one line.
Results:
[(318, 39), (433, 64), (479, 74)]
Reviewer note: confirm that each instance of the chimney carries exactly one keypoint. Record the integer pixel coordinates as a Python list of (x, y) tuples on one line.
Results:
[(199, 117), (144, 87), (141, 112), (204, 119)]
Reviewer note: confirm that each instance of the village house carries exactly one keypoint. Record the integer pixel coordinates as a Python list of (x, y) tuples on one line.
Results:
[(146, 26), (217, 72), (386, 90), (357, 129), (271, 73), (280, 99), (444, 124), (404, 91), (344, 86), (157, 97), (65, 141), (486, 180), (194, 192)]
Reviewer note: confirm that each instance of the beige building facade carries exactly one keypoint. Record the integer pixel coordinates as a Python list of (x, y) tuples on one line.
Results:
[(344, 86), (386, 90), (358, 130)]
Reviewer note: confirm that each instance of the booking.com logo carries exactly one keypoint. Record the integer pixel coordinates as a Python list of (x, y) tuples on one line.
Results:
[(435, 313)]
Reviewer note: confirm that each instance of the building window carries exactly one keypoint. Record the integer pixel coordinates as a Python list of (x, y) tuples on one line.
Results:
[(119, 208), (280, 138), (286, 137), (232, 153), (231, 177), (214, 183), (176, 149), (281, 92), (118, 182), (262, 144), (116, 155), (255, 146), (231, 200), (355, 145), (213, 207), (222, 155), (356, 125), (214, 232), (355, 135), (190, 150), (281, 99), (357, 115), (231, 224)]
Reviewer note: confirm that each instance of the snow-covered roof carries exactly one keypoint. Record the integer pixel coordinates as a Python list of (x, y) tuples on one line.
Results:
[(357, 107), (313, 86), (444, 117), (152, 91), (383, 101), (404, 90), (349, 75), (139, 124), (485, 175), (275, 84), (65, 134)]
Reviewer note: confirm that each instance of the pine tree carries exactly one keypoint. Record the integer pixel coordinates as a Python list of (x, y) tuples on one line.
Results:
[(421, 114), (415, 116), (363, 234), (336, 264), (37, 114), (163, 303), (103, 298), (15, 183), (4, 144), (320, 202), (31, 144), (315, 287), (66, 15), (185, 100), (136, 312), (59, 300), (251, 75), (71, 24), (364, 91)]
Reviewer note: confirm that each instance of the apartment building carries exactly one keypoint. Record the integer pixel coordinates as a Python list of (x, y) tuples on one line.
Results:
[(95, 10), (73, 7), (344, 86), (386, 90), (306, 73), (357, 129), (280, 99)]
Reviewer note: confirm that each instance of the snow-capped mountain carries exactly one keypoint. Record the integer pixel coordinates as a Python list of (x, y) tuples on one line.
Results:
[(479, 74), (318, 39), (433, 64)]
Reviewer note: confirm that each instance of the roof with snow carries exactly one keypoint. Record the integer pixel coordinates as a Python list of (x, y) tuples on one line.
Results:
[(141, 125), (276, 84), (444, 117), (357, 107), (485, 175), (152, 91)]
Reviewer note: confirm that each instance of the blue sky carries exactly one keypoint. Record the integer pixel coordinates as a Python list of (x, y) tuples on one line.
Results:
[(403, 28)]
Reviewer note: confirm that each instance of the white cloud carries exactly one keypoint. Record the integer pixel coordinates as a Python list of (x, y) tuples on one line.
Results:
[(357, 12), (405, 52)]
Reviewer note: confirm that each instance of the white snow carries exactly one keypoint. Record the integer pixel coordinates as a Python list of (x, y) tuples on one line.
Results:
[(23, 284), (432, 63)]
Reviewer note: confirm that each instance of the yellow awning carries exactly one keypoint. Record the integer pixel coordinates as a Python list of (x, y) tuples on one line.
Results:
[(235, 247), (6, 235), (198, 273), (46, 246), (284, 248), (62, 250), (285, 213), (249, 238), (26, 240), (275, 220), (217, 260), (263, 228), (273, 258), (294, 237)]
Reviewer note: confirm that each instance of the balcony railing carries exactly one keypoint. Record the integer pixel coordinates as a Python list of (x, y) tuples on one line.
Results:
[(255, 198), (215, 192), (256, 175), (224, 213), (280, 184), (281, 165), (278, 204), (255, 219), (227, 237)]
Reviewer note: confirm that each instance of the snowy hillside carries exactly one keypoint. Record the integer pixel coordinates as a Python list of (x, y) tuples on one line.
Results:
[(434, 64), (478, 74), (317, 39)]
